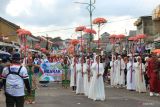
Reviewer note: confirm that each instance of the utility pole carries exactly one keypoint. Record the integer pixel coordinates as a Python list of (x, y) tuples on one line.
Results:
[(47, 42), (90, 8)]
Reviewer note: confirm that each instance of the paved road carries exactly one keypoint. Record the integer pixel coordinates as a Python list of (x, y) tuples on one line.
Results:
[(55, 96)]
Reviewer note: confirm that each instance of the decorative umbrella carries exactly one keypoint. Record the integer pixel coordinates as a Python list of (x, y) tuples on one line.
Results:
[(132, 38), (80, 28), (113, 39), (20, 30), (90, 31), (113, 36), (120, 36), (99, 22), (140, 37), (74, 42), (28, 32), (157, 51), (22, 33)]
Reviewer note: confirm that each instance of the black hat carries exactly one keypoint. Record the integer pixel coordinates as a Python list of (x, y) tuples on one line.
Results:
[(16, 56)]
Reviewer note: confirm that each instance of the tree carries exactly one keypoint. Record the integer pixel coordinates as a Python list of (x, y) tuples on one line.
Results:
[(56, 39)]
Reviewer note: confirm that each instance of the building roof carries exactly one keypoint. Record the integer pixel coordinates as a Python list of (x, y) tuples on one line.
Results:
[(9, 23), (32, 37), (105, 34)]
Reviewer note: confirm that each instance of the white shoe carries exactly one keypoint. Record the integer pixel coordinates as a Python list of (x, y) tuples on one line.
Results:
[(151, 94), (157, 94)]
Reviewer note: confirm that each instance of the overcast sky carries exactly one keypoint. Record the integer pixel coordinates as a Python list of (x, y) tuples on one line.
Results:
[(43, 17)]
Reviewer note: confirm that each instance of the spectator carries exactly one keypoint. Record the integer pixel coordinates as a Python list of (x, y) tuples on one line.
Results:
[(15, 76), (153, 74), (1, 69)]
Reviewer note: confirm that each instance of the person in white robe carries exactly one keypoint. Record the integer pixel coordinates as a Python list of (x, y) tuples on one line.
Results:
[(73, 74), (90, 62), (119, 76), (113, 71), (139, 76), (131, 75), (85, 77), (97, 91), (80, 82)]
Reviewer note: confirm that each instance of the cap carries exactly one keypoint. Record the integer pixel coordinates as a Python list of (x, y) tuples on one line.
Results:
[(16, 56)]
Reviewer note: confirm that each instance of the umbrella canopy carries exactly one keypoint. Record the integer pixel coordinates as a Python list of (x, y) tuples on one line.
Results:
[(28, 32), (99, 21), (74, 41), (141, 36), (80, 28), (113, 36), (156, 51), (132, 38), (120, 36), (91, 31), (22, 32)]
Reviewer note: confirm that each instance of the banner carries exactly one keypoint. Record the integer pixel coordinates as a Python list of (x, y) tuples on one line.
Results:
[(50, 71)]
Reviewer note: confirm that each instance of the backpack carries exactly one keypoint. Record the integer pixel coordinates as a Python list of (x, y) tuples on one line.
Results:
[(14, 73), (13, 79)]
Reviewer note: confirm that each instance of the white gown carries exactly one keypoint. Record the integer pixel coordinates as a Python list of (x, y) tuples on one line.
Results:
[(85, 79), (96, 90), (130, 76), (140, 81), (72, 77), (119, 76), (80, 83), (112, 73)]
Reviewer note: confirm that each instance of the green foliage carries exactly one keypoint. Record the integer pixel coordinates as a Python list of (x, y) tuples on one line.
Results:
[(157, 45), (56, 39)]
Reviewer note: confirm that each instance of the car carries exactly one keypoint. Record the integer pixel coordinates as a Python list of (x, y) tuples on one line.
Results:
[(5, 56)]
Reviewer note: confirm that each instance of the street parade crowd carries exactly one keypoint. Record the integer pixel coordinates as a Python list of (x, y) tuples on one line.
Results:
[(85, 74)]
